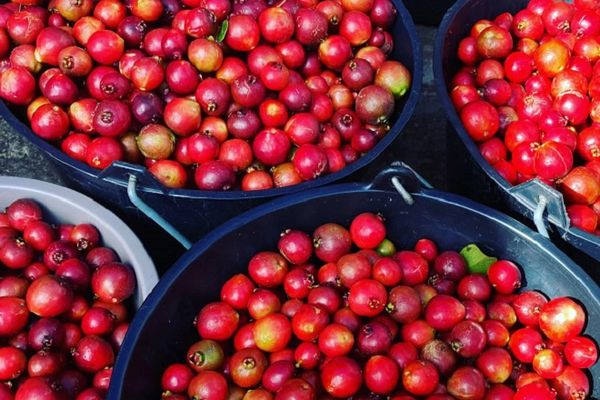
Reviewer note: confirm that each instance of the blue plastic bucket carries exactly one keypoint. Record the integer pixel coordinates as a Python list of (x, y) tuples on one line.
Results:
[(162, 330), (474, 177), (195, 212)]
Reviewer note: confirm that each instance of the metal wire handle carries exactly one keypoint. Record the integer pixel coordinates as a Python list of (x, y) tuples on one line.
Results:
[(538, 216), (153, 215), (406, 196)]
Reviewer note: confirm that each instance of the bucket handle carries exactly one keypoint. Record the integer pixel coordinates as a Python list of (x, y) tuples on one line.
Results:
[(133, 175), (401, 177), (546, 203), (409, 176), (152, 214)]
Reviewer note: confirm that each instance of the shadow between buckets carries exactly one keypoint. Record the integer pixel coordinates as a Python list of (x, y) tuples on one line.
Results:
[(196, 212), (469, 173), (163, 328), (428, 12)]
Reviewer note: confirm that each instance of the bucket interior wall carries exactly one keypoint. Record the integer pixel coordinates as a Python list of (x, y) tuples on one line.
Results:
[(162, 334)]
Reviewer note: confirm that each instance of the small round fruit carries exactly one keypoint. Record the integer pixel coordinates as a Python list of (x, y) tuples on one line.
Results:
[(420, 377), (272, 333), (341, 377), (581, 352), (217, 321), (381, 374), (367, 230), (480, 120), (562, 319)]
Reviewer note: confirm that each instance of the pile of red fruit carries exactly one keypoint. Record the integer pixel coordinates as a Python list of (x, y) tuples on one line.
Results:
[(320, 319), (529, 95), (213, 94), (63, 312)]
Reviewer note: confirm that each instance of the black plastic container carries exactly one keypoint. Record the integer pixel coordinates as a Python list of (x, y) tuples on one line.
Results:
[(195, 212), (474, 177), (162, 330)]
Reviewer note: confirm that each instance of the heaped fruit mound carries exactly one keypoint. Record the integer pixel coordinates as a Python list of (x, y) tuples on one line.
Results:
[(341, 313), (64, 307), (528, 94), (208, 94)]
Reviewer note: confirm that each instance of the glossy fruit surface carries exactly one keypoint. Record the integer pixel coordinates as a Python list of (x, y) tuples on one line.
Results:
[(364, 315)]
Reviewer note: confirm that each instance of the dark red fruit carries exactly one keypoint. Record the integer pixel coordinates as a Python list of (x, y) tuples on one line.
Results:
[(92, 354), (468, 338), (341, 377), (247, 367), (581, 352), (331, 241), (441, 355), (525, 343), (46, 334), (450, 265), (404, 304), (420, 378), (527, 306), (276, 374), (49, 296), (375, 105), (236, 291), (309, 321), (113, 282), (208, 385), (374, 338), (467, 383), (217, 321), (381, 374), (296, 389), (443, 312)]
